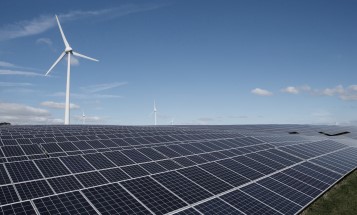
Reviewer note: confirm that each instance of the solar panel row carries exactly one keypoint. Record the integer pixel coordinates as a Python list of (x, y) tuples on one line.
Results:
[(165, 170)]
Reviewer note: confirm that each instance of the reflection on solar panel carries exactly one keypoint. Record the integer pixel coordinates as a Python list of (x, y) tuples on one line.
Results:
[(255, 169)]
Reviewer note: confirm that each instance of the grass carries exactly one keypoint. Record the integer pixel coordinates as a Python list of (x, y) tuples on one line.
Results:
[(340, 199)]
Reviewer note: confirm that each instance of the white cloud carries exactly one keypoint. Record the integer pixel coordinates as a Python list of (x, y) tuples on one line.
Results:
[(44, 22), (296, 90), (15, 84), (6, 64), (17, 72), (261, 92), (23, 114), (90, 119), (46, 41), (101, 87), (56, 105), (87, 96), (291, 90), (333, 91), (344, 93)]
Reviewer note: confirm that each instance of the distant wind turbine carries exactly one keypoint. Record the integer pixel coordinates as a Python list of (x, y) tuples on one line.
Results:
[(69, 51), (172, 121), (84, 118), (154, 112)]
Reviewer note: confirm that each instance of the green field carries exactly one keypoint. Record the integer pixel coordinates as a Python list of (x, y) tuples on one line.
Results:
[(340, 200)]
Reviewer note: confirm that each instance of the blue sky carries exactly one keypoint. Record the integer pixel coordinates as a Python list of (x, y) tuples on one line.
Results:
[(204, 62)]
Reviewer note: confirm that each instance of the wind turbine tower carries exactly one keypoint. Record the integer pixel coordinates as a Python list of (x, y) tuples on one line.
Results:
[(84, 118), (155, 110), (67, 51)]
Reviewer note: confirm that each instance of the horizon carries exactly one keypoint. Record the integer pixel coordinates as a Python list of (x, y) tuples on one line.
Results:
[(203, 62)]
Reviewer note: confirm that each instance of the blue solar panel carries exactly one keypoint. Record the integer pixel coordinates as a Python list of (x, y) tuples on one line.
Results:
[(153, 195), (68, 203), (168, 169)]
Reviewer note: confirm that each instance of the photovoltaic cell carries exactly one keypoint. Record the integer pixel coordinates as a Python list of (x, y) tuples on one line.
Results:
[(286, 191), (52, 147), (118, 158), (216, 206), (76, 164), (99, 161), (113, 199), (189, 211), (183, 161), (153, 195), (183, 187), (31, 149), (272, 199), (241, 169), (135, 171), (91, 179), (152, 154), (68, 146), (305, 178), (11, 151), (23, 208), (33, 189), (169, 164), (153, 167), (114, 174), (136, 156), (206, 180), (254, 165), (167, 151), (8, 195), (4, 178), (51, 167), (67, 203), (23, 171), (322, 170), (296, 184), (225, 174), (64, 184)]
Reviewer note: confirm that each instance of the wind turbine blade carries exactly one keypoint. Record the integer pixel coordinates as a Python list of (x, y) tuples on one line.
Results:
[(63, 36), (83, 56), (58, 60)]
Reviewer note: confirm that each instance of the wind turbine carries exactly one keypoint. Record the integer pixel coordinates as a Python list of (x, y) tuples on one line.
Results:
[(84, 118), (172, 121), (67, 51), (155, 110)]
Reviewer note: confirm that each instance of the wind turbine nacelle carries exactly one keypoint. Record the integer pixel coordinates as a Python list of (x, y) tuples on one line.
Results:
[(68, 50)]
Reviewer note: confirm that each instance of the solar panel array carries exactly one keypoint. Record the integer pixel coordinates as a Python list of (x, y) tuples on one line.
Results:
[(168, 169)]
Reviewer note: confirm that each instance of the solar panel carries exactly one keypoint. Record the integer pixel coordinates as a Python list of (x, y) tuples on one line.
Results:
[(255, 169), (99, 161), (8, 195), (91, 179), (33, 189), (206, 180), (24, 208), (153, 195), (68, 203), (153, 167), (76, 164), (182, 187), (271, 199), (64, 184), (113, 199), (135, 171), (23, 171), (51, 167), (225, 174)]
